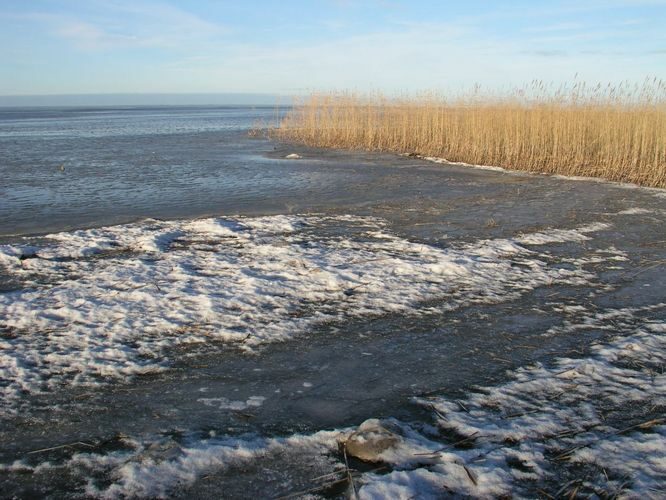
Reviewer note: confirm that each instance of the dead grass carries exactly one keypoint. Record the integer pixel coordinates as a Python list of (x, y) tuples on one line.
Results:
[(616, 133)]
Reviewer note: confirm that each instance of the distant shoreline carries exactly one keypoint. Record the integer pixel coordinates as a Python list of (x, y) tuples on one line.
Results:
[(143, 99)]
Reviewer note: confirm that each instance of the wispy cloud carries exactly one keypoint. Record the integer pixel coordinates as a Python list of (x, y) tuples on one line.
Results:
[(555, 27), (209, 46), (546, 53), (88, 36), (159, 14), (113, 24)]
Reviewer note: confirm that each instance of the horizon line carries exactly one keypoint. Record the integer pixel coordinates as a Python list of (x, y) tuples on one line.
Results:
[(145, 99)]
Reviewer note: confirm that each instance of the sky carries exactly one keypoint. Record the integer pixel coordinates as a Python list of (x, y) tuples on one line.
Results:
[(295, 47)]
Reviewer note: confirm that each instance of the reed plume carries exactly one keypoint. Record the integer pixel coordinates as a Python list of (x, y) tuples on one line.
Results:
[(612, 132)]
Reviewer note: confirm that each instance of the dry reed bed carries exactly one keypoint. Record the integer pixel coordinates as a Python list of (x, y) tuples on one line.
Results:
[(615, 133)]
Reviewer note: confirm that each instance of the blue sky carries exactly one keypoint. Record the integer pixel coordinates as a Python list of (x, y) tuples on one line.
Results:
[(291, 47)]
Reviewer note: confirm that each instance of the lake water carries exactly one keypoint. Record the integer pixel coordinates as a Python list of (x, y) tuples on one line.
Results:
[(69, 167)]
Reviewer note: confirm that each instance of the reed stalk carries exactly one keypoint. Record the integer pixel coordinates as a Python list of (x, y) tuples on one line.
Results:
[(614, 132)]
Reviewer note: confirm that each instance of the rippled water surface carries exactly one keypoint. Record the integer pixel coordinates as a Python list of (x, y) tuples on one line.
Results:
[(63, 168)]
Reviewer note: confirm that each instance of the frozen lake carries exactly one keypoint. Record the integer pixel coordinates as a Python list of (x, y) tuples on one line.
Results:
[(186, 313)]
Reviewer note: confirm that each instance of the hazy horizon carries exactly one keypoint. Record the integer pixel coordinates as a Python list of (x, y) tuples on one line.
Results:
[(145, 99)]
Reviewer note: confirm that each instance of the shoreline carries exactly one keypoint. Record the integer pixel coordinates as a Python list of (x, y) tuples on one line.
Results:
[(658, 191)]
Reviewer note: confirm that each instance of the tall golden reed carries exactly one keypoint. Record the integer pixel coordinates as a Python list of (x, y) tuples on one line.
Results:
[(616, 133)]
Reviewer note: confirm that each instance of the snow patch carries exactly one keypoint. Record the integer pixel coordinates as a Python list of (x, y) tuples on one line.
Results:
[(562, 235), (435, 159), (657, 192), (109, 303), (548, 420), (595, 419), (225, 404), (635, 211), (153, 469)]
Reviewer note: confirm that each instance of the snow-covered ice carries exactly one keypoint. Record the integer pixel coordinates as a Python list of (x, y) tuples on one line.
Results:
[(106, 304), (575, 413), (572, 417), (226, 404), (153, 469), (109, 303), (635, 211)]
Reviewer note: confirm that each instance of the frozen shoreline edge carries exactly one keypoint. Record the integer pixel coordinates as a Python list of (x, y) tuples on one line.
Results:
[(659, 192)]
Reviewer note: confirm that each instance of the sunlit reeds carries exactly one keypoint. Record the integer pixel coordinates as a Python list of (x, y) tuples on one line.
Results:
[(613, 132)]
